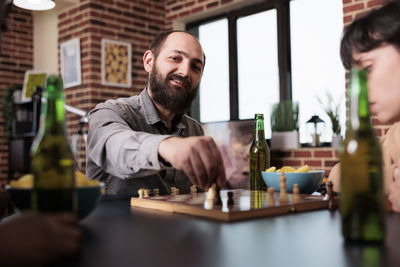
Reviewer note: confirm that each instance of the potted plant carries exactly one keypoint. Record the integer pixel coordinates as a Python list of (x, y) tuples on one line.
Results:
[(332, 109), (285, 125)]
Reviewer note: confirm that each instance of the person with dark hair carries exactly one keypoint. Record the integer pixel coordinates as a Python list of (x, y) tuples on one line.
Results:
[(147, 140), (31, 238), (372, 42)]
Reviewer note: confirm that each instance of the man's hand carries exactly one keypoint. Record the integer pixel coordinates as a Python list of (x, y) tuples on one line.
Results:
[(394, 189), (197, 156), (34, 239)]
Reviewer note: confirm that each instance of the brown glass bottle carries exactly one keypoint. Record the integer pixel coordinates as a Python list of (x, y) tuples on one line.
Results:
[(362, 199), (259, 155), (52, 157)]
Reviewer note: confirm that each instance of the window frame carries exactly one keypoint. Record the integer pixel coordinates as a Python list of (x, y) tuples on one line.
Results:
[(284, 50)]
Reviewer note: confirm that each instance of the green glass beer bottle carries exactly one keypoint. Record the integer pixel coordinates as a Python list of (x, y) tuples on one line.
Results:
[(362, 199), (52, 157), (259, 155)]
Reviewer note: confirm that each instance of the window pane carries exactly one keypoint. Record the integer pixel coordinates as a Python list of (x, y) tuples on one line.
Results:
[(258, 73), (214, 87), (316, 28)]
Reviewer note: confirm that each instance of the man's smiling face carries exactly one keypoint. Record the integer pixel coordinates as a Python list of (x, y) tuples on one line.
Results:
[(176, 72)]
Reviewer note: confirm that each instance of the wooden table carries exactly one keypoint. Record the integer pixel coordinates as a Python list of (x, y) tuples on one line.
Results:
[(117, 235)]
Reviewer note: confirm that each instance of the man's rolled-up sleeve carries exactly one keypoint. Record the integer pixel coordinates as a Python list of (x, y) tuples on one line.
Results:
[(119, 150)]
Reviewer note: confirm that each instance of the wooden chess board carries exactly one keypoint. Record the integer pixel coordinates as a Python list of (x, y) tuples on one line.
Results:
[(247, 204)]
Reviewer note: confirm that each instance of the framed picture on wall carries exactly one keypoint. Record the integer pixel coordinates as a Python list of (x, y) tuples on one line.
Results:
[(32, 80), (116, 63), (70, 60)]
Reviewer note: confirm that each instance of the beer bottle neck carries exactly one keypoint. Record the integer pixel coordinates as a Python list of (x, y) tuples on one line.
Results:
[(359, 105), (55, 112), (259, 130)]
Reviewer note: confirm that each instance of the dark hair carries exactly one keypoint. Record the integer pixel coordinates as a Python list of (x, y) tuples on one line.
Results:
[(370, 31), (159, 40)]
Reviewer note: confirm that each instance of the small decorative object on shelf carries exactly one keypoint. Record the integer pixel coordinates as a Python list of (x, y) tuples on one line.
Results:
[(285, 125), (316, 130), (332, 110)]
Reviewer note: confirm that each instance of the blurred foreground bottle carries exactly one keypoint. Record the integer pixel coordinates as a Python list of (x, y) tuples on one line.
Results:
[(362, 199), (52, 157), (259, 155)]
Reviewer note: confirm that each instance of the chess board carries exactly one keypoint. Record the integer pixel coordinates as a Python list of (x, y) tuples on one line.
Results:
[(247, 204)]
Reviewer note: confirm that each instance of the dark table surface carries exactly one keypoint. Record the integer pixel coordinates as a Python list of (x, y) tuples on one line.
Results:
[(117, 235)]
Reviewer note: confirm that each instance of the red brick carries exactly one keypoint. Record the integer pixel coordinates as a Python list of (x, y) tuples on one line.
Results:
[(212, 5), (347, 19), (374, 3), (302, 154), (197, 9), (292, 163), (354, 7), (323, 154), (313, 163)]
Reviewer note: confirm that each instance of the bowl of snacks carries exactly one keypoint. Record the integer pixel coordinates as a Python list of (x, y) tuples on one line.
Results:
[(307, 180), (89, 193)]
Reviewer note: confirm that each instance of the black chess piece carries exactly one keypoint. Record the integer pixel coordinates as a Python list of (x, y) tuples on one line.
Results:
[(230, 198), (218, 200)]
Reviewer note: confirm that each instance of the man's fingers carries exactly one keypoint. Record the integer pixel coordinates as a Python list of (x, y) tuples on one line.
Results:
[(199, 169)]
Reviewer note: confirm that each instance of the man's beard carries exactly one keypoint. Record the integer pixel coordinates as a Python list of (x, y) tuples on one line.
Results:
[(174, 98)]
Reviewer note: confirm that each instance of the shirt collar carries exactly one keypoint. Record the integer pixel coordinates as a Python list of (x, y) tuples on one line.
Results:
[(151, 114), (149, 110)]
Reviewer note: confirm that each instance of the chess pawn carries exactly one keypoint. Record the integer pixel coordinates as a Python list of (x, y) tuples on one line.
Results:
[(146, 192), (271, 197), (193, 189), (296, 192), (211, 192), (283, 196), (156, 192), (141, 192), (173, 190)]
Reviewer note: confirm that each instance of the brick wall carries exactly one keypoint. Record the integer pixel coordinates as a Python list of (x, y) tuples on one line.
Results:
[(16, 57)]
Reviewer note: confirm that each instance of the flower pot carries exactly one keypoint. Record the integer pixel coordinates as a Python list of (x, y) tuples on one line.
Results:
[(285, 140)]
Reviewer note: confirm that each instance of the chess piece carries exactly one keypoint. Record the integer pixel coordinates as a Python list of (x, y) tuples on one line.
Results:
[(141, 192), (333, 202), (271, 196), (296, 192), (283, 196), (230, 201), (156, 192), (218, 200), (211, 192), (173, 188), (193, 189), (146, 192)]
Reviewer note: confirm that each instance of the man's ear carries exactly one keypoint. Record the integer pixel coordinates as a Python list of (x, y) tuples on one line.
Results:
[(148, 61)]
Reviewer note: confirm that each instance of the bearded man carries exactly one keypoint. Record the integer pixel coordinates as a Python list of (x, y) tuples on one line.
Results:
[(147, 140)]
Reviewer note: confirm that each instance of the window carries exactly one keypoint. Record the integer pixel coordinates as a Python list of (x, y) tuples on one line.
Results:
[(269, 52), (258, 73), (214, 89), (316, 66)]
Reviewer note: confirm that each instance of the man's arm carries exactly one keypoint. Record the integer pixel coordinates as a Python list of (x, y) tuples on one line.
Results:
[(119, 150)]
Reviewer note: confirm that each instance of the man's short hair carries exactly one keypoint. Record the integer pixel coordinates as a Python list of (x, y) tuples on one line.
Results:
[(160, 38), (380, 26)]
